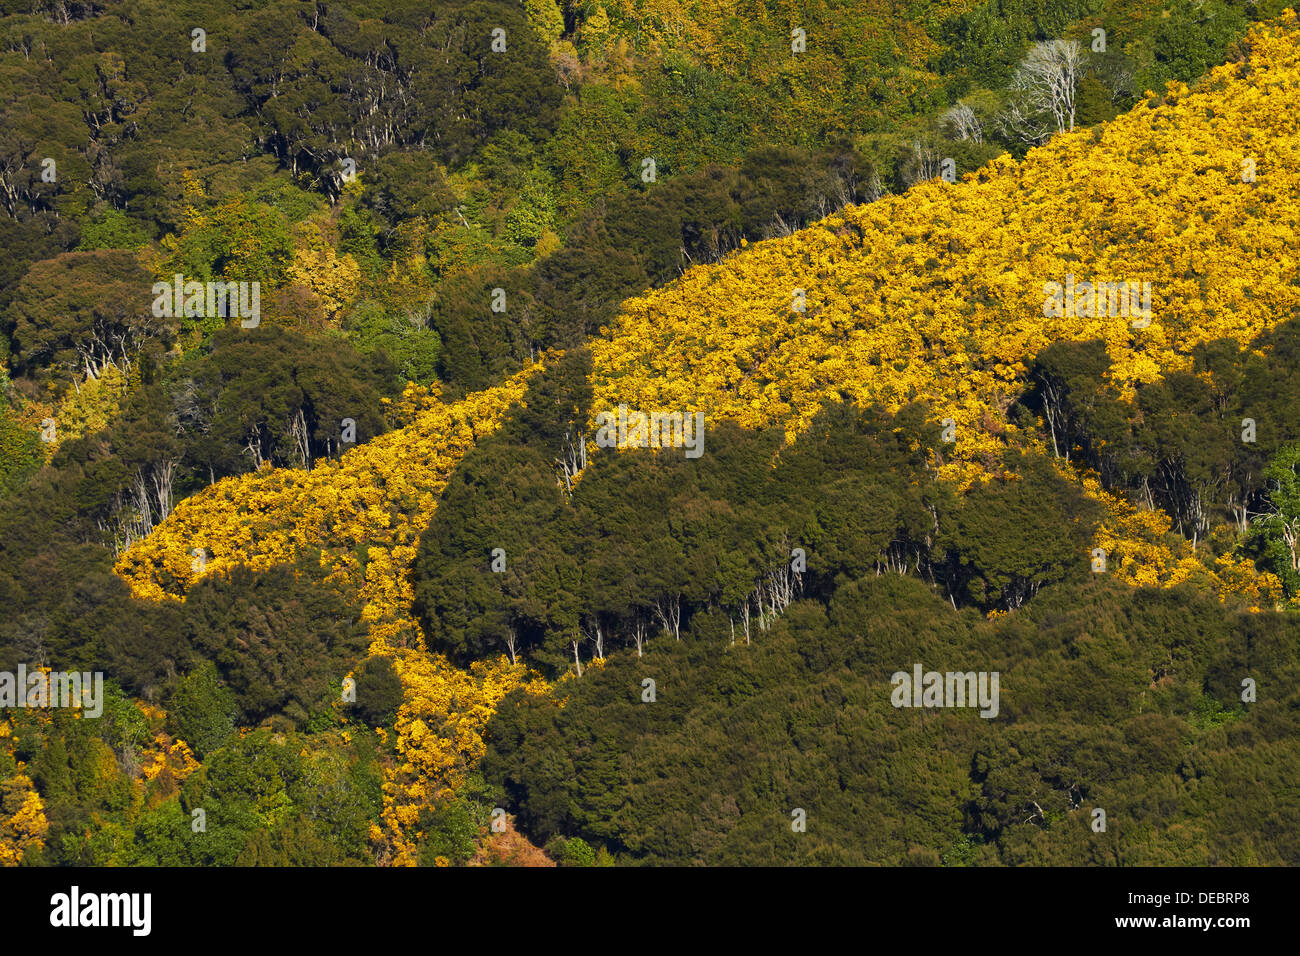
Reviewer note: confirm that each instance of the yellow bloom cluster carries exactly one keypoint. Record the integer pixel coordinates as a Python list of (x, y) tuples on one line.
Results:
[(365, 512), (333, 278), (935, 296), (90, 405), (169, 754), (938, 294), (439, 738), (1142, 549), (23, 824), (22, 819)]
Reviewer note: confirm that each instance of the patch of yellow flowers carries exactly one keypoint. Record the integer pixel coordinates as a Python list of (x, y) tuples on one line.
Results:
[(936, 295)]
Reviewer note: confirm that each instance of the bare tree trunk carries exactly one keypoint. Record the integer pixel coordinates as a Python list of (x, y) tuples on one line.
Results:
[(669, 611), (254, 448), (597, 637), (1051, 411), (1291, 538), (301, 438), (1044, 84), (638, 634), (572, 460), (141, 494), (163, 475)]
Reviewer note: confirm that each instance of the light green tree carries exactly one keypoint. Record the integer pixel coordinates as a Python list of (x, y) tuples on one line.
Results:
[(1278, 531)]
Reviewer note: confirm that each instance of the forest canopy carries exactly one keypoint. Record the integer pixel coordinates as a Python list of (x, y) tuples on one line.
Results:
[(989, 317)]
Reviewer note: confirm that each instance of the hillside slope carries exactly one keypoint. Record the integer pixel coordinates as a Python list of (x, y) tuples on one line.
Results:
[(940, 295), (936, 296)]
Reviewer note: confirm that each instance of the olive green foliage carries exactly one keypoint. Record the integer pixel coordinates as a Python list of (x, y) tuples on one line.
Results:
[(522, 171), (379, 691), (1110, 698)]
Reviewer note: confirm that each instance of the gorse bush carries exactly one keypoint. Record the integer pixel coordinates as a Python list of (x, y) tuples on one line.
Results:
[(971, 331)]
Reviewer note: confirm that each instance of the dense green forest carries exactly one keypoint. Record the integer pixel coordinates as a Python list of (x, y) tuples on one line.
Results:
[(443, 205)]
